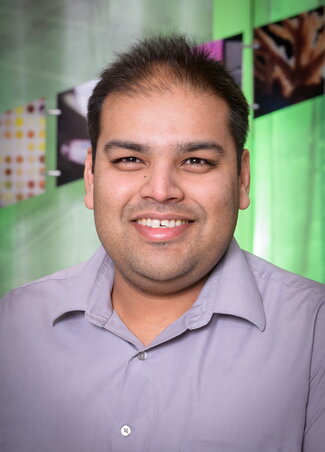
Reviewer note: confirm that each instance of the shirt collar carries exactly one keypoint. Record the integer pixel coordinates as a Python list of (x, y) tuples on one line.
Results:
[(85, 289), (230, 289)]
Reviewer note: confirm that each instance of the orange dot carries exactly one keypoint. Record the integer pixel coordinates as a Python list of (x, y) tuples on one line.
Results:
[(31, 159), (30, 134), (7, 134), (19, 159), (19, 172), (42, 183), (19, 196), (42, 133)]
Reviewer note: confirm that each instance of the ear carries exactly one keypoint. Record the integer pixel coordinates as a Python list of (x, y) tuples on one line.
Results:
[(244, 181), (89, 180)]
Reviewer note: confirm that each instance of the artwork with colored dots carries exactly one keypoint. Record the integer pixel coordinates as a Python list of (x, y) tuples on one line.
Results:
[(22, 152)]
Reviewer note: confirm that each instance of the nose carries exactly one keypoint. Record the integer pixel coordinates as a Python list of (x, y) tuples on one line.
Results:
[(162, 184)]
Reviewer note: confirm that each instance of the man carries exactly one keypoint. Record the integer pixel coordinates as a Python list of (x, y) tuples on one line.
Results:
[(170, 338)]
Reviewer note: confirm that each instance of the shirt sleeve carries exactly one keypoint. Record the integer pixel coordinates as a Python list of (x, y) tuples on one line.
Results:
[(314, 436)]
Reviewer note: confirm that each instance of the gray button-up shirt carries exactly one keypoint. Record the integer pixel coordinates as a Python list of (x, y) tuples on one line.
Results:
[(242, 371)]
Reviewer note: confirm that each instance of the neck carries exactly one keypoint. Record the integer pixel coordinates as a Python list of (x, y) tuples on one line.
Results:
[(147, 315)]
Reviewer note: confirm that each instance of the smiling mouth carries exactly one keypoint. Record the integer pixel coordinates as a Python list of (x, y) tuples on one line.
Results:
[(157, 224)]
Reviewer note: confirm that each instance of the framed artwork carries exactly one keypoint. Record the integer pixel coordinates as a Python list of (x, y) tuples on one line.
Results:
[(22, 152), (289, 61), (73, 140), (229, 51)]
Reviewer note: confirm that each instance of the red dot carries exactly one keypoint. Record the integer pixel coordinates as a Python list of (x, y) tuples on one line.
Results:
[(30, 108), (30, 195), (7, 171), (19, 159), (31, 184), (41, 158), (30, 134)]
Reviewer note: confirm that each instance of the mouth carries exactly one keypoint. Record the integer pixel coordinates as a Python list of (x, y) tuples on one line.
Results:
[(165, 229), (156, 223)]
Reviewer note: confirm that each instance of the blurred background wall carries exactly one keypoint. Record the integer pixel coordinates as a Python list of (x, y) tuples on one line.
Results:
[(49, 47)]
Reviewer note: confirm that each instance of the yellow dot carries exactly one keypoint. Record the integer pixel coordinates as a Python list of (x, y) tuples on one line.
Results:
[(8, 197), (31, 172), (42, 122), (19, 172), (31, 146), (19, 121), (19, 134), (19, 109), (41, 146), (42, 133)]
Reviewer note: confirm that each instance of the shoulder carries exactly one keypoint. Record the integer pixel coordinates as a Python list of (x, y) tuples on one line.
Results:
[(67, 289), (44, 284), (276, 282)]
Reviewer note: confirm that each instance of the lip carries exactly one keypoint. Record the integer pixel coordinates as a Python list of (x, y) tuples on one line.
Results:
[(161, 234)]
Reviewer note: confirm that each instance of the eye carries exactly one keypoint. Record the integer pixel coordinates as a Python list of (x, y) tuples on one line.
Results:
[(131, 162), (197, 164)]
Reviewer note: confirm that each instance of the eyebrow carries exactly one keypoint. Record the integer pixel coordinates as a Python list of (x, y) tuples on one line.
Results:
[(181, 148), (122, 144)]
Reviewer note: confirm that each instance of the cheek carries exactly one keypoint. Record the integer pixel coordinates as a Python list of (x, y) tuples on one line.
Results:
[(217, 195)]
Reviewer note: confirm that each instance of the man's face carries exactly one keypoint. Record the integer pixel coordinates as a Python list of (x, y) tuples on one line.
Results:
[(165, 188)]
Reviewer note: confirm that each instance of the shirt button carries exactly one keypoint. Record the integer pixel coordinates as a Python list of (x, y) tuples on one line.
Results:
[(126, 430), (142, 355)]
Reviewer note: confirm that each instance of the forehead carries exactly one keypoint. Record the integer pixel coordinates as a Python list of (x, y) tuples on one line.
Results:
[(178, 112)]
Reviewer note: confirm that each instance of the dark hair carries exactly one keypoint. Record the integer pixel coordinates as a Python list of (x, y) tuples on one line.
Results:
[(160, 63)]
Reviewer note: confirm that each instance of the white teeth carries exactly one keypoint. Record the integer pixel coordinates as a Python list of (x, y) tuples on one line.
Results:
[(155, 223)]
